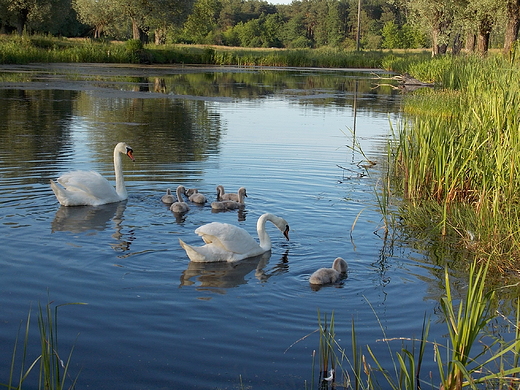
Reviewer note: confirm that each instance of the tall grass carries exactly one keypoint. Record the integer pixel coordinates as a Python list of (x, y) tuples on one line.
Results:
[(493, 365), (458, 154), (16, 49), (53, 369)]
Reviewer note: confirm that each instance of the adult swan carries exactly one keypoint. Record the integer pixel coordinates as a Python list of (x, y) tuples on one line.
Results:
[(225, 242), (89, 188)]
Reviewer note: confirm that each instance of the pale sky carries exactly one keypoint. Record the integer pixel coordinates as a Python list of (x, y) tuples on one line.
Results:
[(279, 1)]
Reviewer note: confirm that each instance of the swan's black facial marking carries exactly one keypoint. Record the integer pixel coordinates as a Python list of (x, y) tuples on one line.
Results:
[(286, 232), (130, 153)]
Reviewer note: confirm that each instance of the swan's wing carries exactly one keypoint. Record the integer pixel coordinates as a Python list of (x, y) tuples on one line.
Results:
[(90, 182), (208, 253), (228, 237)]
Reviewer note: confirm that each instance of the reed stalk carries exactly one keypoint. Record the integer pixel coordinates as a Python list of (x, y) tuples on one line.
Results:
[(458, 365), (53, 371)]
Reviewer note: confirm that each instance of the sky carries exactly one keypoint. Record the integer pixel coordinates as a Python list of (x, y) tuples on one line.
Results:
[(279, 1)]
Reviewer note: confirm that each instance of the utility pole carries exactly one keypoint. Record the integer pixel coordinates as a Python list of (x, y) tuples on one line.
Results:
[(358, 33)]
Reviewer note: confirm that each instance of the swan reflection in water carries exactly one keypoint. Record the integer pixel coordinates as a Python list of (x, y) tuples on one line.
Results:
[(80, 219), (241, 213), (222, 275)]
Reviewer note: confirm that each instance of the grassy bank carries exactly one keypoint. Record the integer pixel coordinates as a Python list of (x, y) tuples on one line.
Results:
[(26, 49), (457, 157)]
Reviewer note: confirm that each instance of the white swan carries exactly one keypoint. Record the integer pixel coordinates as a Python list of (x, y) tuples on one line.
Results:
[(225, 242), (231, 204), (180, 206), (168, 198), (330, 275), (195, 196), (89, 188), (221, 194)]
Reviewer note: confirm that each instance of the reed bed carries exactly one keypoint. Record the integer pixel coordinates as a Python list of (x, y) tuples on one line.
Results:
[(458, 155), (471, 356)]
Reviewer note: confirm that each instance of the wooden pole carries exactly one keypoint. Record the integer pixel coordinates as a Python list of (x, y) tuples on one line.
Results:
[(358, 33)]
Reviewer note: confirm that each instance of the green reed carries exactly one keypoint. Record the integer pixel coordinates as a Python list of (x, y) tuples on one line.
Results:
[(471, 356), (53, 370), (460, 147)]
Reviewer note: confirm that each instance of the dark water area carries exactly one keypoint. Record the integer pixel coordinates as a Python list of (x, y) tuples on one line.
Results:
[(153, 319)]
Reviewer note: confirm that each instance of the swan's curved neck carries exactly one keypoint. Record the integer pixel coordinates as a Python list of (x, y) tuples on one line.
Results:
[(240, 197), (120, 180), (179, 194), (265, 240)]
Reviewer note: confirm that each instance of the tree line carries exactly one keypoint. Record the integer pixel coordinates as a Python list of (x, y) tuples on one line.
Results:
[(473, 25)]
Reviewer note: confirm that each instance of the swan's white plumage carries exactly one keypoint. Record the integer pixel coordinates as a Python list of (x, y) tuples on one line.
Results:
[(168, 197), (225, 242), (89, 188), (230, 204), (180, 206), (330, 275)]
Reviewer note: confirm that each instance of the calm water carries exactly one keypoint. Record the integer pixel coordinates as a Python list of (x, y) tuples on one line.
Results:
[(154, 320)]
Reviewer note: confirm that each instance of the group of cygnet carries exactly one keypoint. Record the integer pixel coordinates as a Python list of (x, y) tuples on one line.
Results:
[(225, 201)]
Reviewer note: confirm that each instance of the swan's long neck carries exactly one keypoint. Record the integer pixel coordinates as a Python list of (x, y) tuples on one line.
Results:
[(120, 180), (265, 240), (179, 192), (220, 192)]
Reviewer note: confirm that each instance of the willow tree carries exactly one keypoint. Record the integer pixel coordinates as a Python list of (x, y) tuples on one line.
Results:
[(22, 12), (100, 14), (437, 17), (512, 24), (482, 17)]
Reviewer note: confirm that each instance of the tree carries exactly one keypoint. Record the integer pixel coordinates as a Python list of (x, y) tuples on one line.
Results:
[(513, 24), (482, 15), (167, 14), (391, 35), (202, 20), (101, 14), (25, 11)]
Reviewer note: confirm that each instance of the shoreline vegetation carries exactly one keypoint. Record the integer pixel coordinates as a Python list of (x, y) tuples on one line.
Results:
[(26, 49)]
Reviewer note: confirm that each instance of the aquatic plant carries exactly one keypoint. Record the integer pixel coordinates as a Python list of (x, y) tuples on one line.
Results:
[(467, 320), (457, 156), (53, 370)]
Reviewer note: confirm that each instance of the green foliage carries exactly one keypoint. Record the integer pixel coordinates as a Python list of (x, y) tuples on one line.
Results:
[(460, 149), (467, 320), (391, 35), (53, 368), (401, 37)]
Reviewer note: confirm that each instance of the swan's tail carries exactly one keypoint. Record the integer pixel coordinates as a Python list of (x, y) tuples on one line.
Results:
[(192, 252), (58, 191)]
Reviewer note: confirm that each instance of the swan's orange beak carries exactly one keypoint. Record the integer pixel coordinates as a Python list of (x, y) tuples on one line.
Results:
[(286, 232), (130, 153)]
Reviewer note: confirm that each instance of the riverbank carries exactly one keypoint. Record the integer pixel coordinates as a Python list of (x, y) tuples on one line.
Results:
[(457, 161), (29, 49)]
